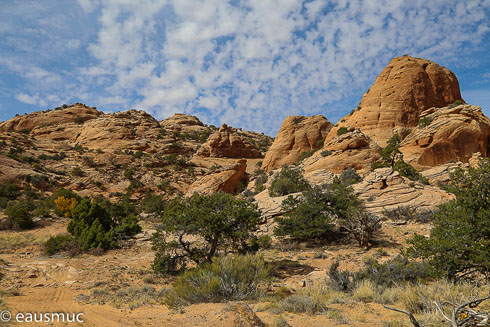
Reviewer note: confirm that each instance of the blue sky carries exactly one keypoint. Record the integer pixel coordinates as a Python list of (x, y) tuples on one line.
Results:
[(247, 63)]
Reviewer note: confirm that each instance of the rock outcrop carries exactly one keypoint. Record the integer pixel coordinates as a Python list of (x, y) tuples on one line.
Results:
[(296, 135), (448, 134), (405, 88), (385, 189), (225, 180), (77, 113), (352, 149), (227, 143)]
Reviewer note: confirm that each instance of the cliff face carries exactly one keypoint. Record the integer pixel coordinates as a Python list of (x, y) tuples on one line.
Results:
[(406, 87)]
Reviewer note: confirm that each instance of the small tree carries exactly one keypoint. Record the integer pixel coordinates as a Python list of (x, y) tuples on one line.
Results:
[(391, 151), (313, 215), (287, 181), (65, 205), (198, 228), (362, 225), (19, 215), (459, 242)]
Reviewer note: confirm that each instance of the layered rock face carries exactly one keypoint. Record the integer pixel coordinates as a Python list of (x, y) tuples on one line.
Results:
[(224, 180), (352, 149), (451, 133), (227, 143), (384, 189), (405, 88), (296, 135)]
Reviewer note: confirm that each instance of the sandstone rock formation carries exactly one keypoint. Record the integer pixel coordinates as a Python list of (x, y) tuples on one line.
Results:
[(296, 135), (28, 122), (225, 180), (452, 133), (352, 149), (405, 88), (227, 143), (384, 189)]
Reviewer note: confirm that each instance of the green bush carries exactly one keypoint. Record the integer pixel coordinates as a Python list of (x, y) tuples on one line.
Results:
[(306, 154), (77, 172), (325, 153), (391, 151), (60, 243), (409, 172), (19, 215), (459, 242), (287, 181), (349, 176), (78, 120), (220, 220), (425, 121), (94, 226), (341, 131), (228, 278), (313, 215), (153, 203), (8, 192)]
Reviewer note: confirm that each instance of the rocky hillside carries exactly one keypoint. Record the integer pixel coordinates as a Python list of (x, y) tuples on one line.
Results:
[(81, 148)]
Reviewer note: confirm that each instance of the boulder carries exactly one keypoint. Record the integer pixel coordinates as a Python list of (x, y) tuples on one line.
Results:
[(352, 149), (296, 135), (227, 143), (450, 134), (405, 88), (224, 180)]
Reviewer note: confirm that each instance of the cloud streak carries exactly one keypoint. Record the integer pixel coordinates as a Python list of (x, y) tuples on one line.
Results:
[(247, 63)]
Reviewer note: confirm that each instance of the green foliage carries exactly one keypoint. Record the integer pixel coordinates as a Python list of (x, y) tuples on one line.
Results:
[(459, 242), (19, 215), (407, 213), (306, 154), (325, 153), (341, 131), (390, 273), (220, 220), (313, 215), (260, 180), (425, 121), (129, 173), (58, 243), (153, 203), (228, 278), (409, 172), (287, 181), (349, 176), (376, 165), (78, 120), (97, 224), (390, 152), (8, 192), (77, 172), (138, 154)]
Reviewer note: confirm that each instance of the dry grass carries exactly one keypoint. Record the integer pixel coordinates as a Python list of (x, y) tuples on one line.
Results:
[(13, 241), (131, 297)]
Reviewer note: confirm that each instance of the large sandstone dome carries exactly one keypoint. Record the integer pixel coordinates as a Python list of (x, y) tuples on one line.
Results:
[(403, 90)]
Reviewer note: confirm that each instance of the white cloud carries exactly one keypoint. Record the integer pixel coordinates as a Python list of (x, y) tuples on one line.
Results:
[(249, 64)]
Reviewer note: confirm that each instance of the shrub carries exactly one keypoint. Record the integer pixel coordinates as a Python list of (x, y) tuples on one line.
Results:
[(77, 172), (95, 226), (341, 131), (78, 120), (339, 280), (312, 300), (313, 215), (67, 195), (18, 215), (409, 172), (425, 121), (407, 213), (287, 181), (349, 176), (362, 225), (306, 154), (260, 180), (8, 192), (60, 243), (65, 206), (220, 220), (228, 278), (390, 152), (459, 242), (153, 203), (325, 153)]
